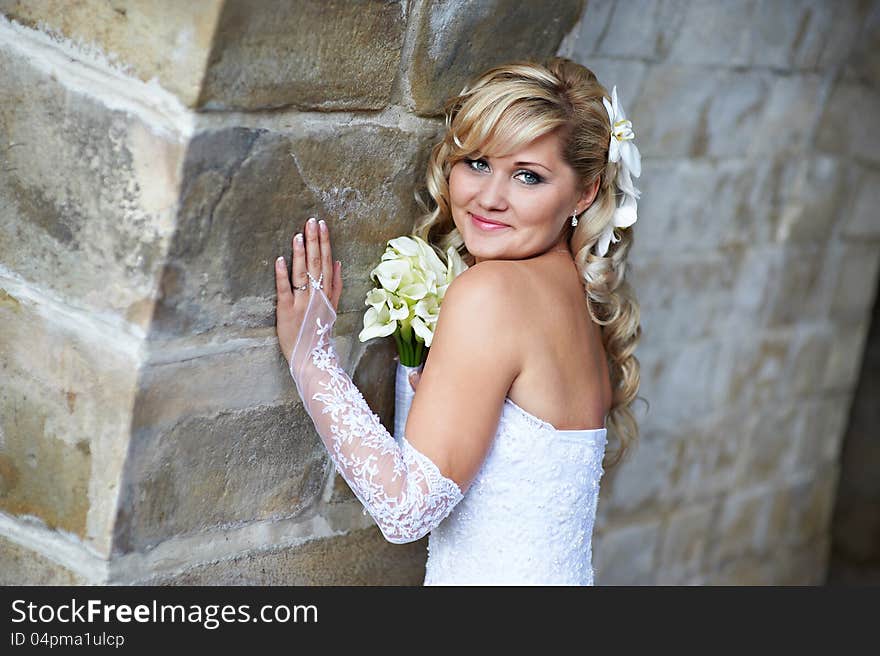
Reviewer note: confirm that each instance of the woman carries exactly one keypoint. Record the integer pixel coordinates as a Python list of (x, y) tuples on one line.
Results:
[(505, 439)]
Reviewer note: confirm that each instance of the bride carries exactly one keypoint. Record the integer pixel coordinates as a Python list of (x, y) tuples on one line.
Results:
[(504, 445)]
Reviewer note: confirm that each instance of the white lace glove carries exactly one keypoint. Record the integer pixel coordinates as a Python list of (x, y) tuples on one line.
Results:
[(401, 488)]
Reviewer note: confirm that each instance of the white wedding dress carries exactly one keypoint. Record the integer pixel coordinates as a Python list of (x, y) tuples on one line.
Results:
[(526, 518)]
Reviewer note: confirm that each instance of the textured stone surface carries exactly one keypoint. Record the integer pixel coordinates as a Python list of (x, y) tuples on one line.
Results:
[(234, 54), (359, 558), (22, 566), (722, 110), (456, 40), (644, 30), (850, 99), (64, 398), (812, 191), (244, 195), (310, 54), (864, 220), (755, 263), (733, 209), (626, 555), (163, 39), (87, 196), (226, 469), (686, 536)]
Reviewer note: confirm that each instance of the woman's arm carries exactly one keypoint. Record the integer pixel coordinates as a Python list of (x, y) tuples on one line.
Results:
[(401, 488), (409, 488)]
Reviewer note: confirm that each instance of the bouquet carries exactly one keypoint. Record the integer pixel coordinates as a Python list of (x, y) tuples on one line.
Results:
[(411, 283)]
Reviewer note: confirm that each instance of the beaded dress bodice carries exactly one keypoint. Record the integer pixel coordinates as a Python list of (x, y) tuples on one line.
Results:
[(527, 518)]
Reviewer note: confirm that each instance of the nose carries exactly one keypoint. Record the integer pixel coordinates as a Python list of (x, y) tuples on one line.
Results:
[(491, 194)]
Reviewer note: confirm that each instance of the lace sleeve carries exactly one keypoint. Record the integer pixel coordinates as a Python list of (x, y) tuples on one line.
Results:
[(401, 488)]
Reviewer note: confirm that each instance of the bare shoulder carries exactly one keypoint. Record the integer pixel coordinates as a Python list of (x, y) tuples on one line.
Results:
[(470, 367), (493, 286)]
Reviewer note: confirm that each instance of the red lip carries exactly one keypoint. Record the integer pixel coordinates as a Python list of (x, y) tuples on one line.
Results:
[(485, 220)]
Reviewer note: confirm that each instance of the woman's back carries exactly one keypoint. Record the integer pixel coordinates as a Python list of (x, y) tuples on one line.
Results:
[(528, 515), (564, 377)]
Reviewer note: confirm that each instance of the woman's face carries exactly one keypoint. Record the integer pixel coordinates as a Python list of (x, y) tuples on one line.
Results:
[(533, 192)]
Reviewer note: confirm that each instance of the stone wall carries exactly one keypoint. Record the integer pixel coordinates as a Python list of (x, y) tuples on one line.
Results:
[(157, 156), (756, 259), (855, 525)]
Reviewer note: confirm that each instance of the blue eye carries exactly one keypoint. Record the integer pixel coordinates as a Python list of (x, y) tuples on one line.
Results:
[(531, 180), (533, 176), (471, 162)]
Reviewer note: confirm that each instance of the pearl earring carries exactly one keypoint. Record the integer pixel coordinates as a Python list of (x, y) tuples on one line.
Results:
[(574, 218)]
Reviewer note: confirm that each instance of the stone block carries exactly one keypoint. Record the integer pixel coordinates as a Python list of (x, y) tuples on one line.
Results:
[(855, 286), (744, 571), (779, 34), (65, 398), (733, 209), (626, 555), (803, 566), (790, 116), (821, 436), (165, 40), (581, 43), (809, 357), (741, 527), (863, 222), (685, 298), (864, 62), (812, 200), (309, 54), (686, 535), (808, 504), (192, 383), (645, 29), (833, 33), (234, 54), (682, 381), (456, 41), (710, 453), (626, 74), (88, 194), (715, 33), (644, 482), (796, 287), (778, 29), (226, 469), (360, 558), (247, 192), (22, 566), (720, 111), (761, 369), (845, 357), (848, 100)]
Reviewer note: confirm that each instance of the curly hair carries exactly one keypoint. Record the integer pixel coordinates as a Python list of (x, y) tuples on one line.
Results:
[(506, 108)]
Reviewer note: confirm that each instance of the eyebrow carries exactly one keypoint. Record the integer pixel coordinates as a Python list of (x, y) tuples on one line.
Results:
[(532, 164)]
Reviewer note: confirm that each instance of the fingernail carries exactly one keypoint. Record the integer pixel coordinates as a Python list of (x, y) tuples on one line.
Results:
[(299, 237), (312, 220), (280, 260)]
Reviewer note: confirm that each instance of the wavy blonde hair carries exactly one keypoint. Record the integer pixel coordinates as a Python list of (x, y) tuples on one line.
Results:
[(501, 111)]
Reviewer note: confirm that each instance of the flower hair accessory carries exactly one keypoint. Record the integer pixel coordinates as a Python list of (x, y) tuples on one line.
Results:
[(621, 148)]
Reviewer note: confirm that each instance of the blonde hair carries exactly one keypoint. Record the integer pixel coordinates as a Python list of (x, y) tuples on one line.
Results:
[(506, 108)]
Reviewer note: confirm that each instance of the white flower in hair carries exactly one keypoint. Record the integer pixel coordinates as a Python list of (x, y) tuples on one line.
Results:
[(622, 136), (621, 149)]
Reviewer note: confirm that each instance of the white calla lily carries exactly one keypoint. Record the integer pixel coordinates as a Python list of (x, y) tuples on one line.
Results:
[(377, 323), (412, 281)]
